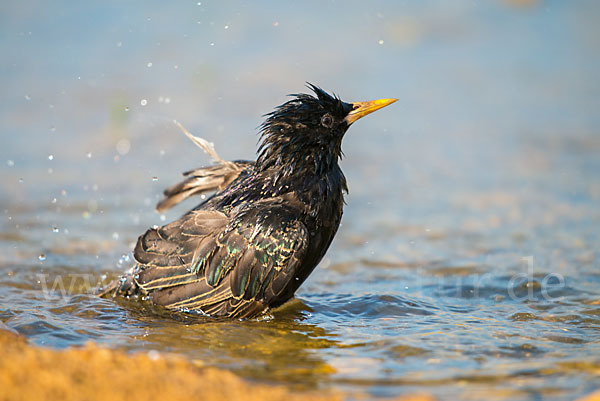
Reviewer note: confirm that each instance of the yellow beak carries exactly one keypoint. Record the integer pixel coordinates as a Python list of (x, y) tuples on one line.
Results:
[(361, 109)]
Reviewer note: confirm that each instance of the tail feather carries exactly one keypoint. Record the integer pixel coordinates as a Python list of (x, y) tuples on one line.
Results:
[(202, 180)]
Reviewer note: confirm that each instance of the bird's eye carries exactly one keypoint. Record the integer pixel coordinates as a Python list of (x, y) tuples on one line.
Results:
[(327, 121)]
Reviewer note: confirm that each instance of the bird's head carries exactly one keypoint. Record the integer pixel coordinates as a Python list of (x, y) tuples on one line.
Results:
[(307, 131)]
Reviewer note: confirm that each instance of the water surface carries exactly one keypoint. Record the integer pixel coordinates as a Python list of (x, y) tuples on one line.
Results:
[(467, 262)]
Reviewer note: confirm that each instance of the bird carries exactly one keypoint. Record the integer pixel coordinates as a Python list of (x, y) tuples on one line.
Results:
[(249, 246)]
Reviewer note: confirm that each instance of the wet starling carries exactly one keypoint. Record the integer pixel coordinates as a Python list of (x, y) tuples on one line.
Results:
[(250, 246)]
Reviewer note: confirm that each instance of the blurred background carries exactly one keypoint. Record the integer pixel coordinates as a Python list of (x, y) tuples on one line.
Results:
[(469, 243)]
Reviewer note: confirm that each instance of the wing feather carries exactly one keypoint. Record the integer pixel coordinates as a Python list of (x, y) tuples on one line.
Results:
[(221, 266), (200, 181)]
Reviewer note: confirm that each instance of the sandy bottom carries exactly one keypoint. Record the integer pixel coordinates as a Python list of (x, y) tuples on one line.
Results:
[(93, 373)]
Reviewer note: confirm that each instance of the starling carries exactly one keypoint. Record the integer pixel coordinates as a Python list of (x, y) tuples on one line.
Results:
[(248, 247)]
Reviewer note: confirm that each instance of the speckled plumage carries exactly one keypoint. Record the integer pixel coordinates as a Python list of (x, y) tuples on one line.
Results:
[(254, 242)]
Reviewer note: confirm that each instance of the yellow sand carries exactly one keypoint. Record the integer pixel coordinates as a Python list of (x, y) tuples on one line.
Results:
[(94, 373)]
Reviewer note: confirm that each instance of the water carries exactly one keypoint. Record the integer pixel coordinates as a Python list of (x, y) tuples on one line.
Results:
[(467, 262)]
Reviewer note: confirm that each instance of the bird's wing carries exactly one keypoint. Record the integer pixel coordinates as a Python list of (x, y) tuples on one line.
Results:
[(202, 180), (165, 255), (223, 267)]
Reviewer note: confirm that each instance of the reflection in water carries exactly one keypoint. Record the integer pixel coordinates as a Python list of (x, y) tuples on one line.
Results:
[(279, 348)]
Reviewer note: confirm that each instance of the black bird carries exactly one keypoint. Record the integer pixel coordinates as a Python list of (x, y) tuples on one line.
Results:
[(251, 245)]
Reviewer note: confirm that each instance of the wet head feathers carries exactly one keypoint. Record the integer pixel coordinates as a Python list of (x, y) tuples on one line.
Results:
[(303, 126)]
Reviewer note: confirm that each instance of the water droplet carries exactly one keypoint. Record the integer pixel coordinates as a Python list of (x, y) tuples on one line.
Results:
[(149, 64), (162, 152), (212, 43), (199, 3), (27, 97), (276, 23), (88, 155), (42, 257), (53, 129), (53, 200), (226, 26), (123, 146), (163, 217), (50, 157), (115, 236), (55, 229), (143, 102), (10, 163), (380, 41), (154, 355), (154, 178), (167, 100), (119, 44), (21, 180), (126, 108)]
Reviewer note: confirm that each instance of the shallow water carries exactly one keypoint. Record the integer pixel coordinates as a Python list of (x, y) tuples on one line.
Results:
[(467, 262)]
